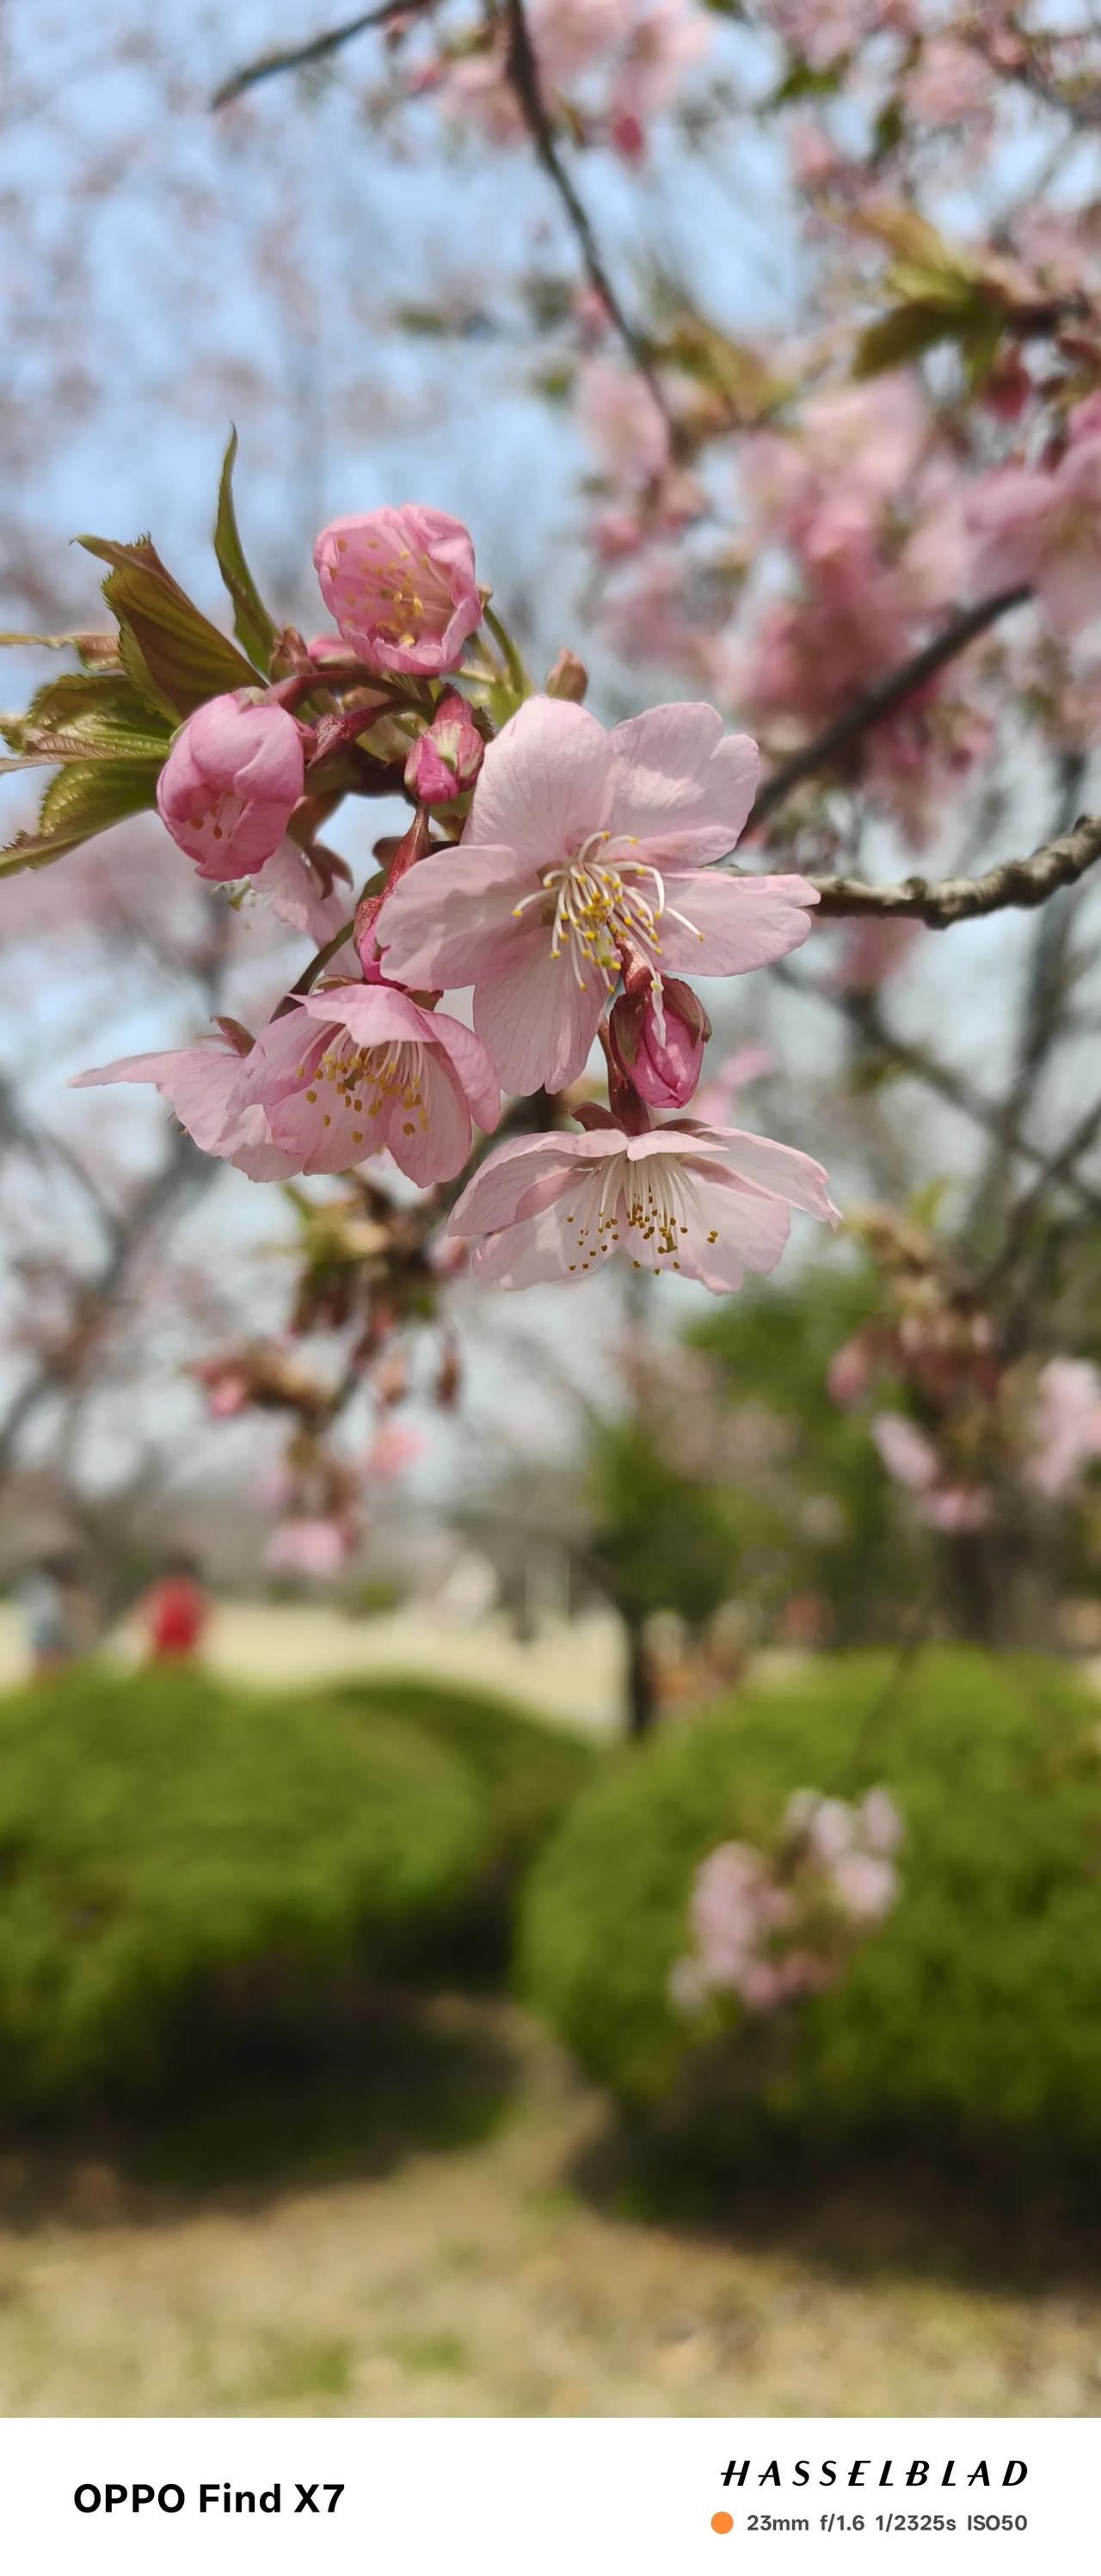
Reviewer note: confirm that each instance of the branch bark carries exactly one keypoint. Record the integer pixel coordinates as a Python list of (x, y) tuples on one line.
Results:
[(1020, 884), (523, 75), (297, 58)]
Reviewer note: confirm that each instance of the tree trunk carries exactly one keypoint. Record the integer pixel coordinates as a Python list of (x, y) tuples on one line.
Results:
[(642, 1703)]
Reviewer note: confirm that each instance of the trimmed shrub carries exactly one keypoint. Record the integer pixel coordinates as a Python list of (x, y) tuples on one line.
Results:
[(530, 1773), (981, 1992), (156, 1831)]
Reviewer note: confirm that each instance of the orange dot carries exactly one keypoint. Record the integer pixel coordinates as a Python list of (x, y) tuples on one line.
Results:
[(722, 2522)]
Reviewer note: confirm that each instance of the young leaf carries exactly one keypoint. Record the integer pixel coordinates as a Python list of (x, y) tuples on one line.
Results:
[(173, 654), (251, 623), (84, 799), (90, 715)]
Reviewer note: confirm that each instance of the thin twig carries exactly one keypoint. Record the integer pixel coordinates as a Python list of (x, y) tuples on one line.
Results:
[(297, 58), (522, 72), (876, 704), (1023, 883), (861, 1010)]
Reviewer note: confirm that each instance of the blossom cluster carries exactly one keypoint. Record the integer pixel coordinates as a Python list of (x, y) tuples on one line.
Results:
[(566, 877), (769, 1928), (979, 1420)]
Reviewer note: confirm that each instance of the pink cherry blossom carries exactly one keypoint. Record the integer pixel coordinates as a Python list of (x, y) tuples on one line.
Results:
[(913, 1462), (857, 448), (446, 758), (848, 1372), (202, 1086), (664, 45), (358, 1068), (1065, 1432), (880, 1823), (313, 1544), (622, 421), (580, 843), (1044, 529), (230, 784), (866, 1885), (708, 1204), (395, 1446), (401, 585)]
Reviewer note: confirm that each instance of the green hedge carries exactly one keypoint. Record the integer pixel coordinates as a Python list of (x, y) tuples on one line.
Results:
[(530, 1773), (980, 1994), (158, 1830)]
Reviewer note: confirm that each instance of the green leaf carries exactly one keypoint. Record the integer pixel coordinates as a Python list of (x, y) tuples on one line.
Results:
[(89, 715), (84, 799), (901, 336), (251, 623), (172, 653)]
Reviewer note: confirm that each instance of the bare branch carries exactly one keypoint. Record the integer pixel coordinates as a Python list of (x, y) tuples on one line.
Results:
[(523, 75), (297, 58), (1019, 883), (874, 707)]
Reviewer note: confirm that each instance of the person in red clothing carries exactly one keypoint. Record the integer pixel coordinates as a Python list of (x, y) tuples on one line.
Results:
[(176, 1613)]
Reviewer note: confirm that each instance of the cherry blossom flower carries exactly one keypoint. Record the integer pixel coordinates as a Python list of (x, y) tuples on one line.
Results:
[(580, 843), (230, 784), (202, 1085), (358, 1068), (1065, 1432), (912, 1461), (446, 758), (707, 1204), (401, 586), (313, 1544), (664, 45), (395, 1446), (622, 421), (1044, 529)]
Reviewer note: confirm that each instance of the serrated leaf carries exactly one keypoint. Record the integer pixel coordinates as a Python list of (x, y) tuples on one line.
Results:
[(93, 715), (82, 800), (172, 653), (251, 623)]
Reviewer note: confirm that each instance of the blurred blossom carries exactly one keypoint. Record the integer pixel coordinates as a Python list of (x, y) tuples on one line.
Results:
[(1065, 1432)]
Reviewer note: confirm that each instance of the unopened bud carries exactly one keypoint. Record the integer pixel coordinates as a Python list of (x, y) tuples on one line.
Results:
[(657, 1036), (567, 678), (446, 758)]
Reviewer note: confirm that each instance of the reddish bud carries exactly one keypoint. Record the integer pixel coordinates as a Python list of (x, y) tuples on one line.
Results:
[(446, 758), (657, 1038)]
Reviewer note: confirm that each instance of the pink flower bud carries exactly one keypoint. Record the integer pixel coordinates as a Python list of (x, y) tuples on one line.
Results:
[(567, 677), (401, 586), (657, 1041), (231, 783), (447, 757)]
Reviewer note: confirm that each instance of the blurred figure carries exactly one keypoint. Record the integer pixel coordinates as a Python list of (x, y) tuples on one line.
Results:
[(54, 1613), (175, 1613)]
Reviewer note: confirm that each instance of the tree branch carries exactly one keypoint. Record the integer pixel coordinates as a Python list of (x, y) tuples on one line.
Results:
[(522, 72), (876, 704), (1021, 883), (297, 58)]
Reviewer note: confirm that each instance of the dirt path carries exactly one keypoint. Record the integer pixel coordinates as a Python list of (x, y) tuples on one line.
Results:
[(475, 2281)]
